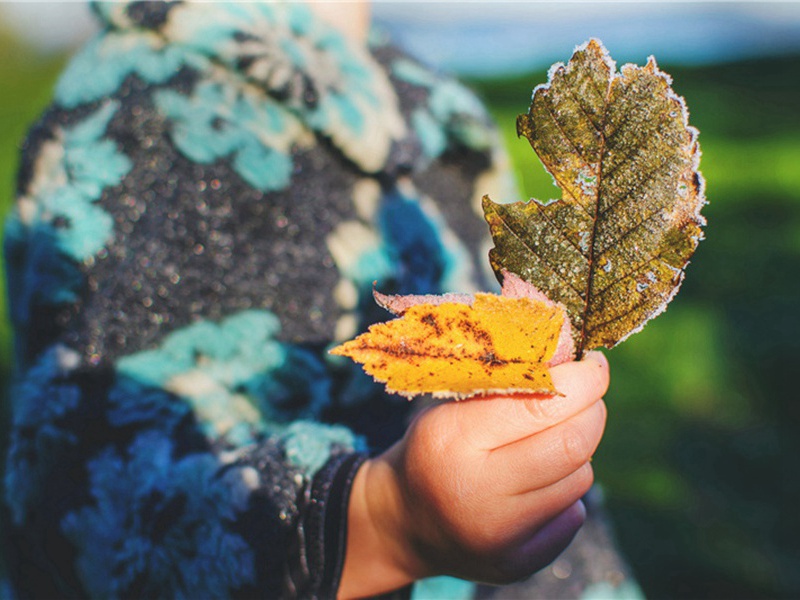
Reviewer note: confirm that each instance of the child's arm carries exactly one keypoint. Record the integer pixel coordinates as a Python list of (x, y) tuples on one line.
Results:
[(485, 489)]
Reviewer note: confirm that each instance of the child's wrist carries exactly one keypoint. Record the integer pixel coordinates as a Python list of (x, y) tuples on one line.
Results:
[(379, 554)]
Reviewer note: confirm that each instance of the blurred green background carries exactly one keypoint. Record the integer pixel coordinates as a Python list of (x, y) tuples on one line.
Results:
[(704, 422), (27, 79)]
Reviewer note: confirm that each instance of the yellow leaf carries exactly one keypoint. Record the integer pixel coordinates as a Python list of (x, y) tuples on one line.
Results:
[(453, 349)]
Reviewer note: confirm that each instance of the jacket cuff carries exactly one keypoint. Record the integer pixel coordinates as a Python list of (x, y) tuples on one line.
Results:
[(318, 552)]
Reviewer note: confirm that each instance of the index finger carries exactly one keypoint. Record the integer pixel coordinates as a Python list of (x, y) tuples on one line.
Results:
[(490, 422)]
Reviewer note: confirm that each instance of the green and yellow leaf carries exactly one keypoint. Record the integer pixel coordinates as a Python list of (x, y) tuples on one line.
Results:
[(613, 249)]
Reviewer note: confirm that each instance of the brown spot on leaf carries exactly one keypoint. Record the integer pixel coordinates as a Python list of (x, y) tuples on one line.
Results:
[(487, 346)]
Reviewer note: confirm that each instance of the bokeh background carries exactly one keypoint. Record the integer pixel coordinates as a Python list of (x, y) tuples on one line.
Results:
[(699, 465)]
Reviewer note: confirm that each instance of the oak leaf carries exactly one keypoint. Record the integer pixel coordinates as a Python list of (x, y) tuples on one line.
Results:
[(613, 249), (457, 345)]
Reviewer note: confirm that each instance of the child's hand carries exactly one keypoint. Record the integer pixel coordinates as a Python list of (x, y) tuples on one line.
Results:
[(485, 489)]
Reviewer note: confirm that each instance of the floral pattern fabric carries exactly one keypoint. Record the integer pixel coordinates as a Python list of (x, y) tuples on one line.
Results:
[(201, 214)]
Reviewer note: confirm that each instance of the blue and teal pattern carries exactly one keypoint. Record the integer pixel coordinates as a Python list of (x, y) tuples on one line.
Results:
[(59, 222), (451, 115), (203, 211), (157, 522)]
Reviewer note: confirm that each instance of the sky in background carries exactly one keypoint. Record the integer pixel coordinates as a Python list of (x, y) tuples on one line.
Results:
[(484, 38)]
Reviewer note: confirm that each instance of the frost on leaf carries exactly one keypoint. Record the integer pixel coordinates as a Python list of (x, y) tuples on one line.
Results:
[(457, 346), (613, 249)]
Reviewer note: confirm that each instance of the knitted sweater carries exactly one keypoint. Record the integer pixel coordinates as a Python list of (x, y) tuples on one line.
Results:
[(201, 214)]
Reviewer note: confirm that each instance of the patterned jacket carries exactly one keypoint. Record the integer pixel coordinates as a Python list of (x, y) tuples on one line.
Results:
[(201, 214)]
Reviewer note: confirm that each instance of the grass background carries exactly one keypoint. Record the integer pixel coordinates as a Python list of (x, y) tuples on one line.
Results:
[(698, 463)]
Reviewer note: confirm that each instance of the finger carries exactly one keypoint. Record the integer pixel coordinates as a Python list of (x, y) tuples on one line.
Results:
[(549, 456), (542, 548), (515, 520), (593, 378), (536, 508), (493, 421)]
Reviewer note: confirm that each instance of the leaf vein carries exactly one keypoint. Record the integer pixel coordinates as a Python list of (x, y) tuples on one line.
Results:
[(584, 110), (628, 232), (640, 183), (542, 258), (554, 116), (629, 273), (640, 143), (593, 237), (553, 170), (558, 229), (634, 308)]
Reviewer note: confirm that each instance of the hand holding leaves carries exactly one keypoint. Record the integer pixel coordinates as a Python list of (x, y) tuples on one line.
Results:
[(611, 251)]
